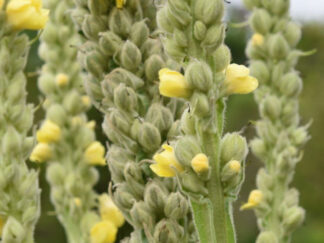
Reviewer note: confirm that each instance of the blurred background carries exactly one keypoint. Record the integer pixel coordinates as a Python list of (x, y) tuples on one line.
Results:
[(309, 177)]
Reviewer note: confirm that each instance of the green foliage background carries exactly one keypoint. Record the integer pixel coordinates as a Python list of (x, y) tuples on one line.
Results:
[(309, 177)]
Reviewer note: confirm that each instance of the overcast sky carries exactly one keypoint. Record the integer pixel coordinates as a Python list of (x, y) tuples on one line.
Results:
[(302, 9)]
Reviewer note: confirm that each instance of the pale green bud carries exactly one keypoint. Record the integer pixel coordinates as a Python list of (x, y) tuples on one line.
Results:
[(188, 122), (191, 183), (152, 67), (176, 206), (221, 58), (291, 198), (209, 11), (174, 130), (155, 196), (267, 237), (125, 98), (214, 37), (180, 38), (56, 114), (151, 47), (278, 7), (231, 170), (292, 33), (120, 22), (29, 214), (84, 137), (293, 218), (123, 197), (160, 117), (258, 147), (200, 30), (266, 131), (291, 84), (199, 75), (142, 215), (261, 21), (72, 102), (13, 231), (179, 13), (163, 21), (130, 56), (250, 4), (11, 142), (92, 26), (271, 107), (27, 146), (149, 137), (173, 49), (264, 181), (90, 175), (300, 136), (168, 231), (278, 47), (233, 147), (120, 120), (120, 75), (56, 173), (186, 148), (134, 177), (95, 64), (15, 89), (88, 220), (46, 83), (110, 43), (98, 7), (260, 71), (200, 104)]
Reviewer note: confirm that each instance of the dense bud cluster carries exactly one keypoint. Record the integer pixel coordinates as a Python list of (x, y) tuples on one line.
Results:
[(273, 55)]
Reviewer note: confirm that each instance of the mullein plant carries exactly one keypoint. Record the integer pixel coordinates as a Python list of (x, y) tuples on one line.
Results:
[(273, 57), (19, 190), (122, 56), (66, 139), (208, 164)]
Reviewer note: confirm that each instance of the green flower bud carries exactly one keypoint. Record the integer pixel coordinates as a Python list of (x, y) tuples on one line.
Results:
[(110, 43), (186, 148), (123, 197), (89, 219), (292, 33), (120, 120), (98, 7), (267, 237), (152, 67), (11, 142), (141, 215), (260, 71), (293, 218), (214, 37), (231, 170), (134, 177), (278, 7), (250, 4), (125, 98), (168, 231), (155, 196), (120, 22), (278, 47), (199, 75), (258, 147), (300, 136), (151, 47), (13, 231), (174, 130), (200, 104), (221, 58), (191, 183), (56, 114), (56, 173), (29, 214), (266, 131), (233, 147), (160, 117), (209, 11), (180, 38), (92, 26), (83, 137), (176, 206), (188, 122), (46, 83), (264, 181), (149, 137), (261, 21), (130, 56), (291, 84), (163, 21), (139, 33), (95, 64), (291, 198), (271, 107), (200, 30), (15, 89), (173, 49), (72, 102)]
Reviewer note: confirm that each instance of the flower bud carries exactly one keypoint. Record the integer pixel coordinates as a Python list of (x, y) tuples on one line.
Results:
[(92, 26), (134, 178), (279, 7), (152, 67), (95, 64), (73, 102), (264, 181), (168, 231), (174, 50), (123, 198), (61, 80), (95, 153), (155, 196), (130, 56), (180, 38), (293, 218), (163, 21), (221, 58), (49, 132), (186, 149), (141, 215), (233, 147), (200, 164), (13, 231), (209, 11), (271, 107), (267, 237), (200, 30), (257, 40), (255, 198), (110, 43), (291, 84), (125, 98), (120, 22), (292, 33), (261, 21), (191, 183), (260, 71), (230, 170), (41, 153), (149, 137), (11, 142), (56, 114), (98, 7), (300, 136), (258, 147), (214, 37), (199, 75), (200, 104), (160, 116), (278, 47), (46, 83), (103, 231), (187, 122), (56, 173), (176, 206), (250, 4)]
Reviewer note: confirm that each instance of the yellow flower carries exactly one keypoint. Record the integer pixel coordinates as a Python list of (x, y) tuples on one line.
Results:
[(61, 79), (254, 200), (173, 84), (103, 232), (86, 101), (166, 163), (257, 40), (238, 80), (41, 153), (2, 221), (109, 211), (235, 166), (120, 3), (200, 163), (95, 153), (26, 14), (49, 132)]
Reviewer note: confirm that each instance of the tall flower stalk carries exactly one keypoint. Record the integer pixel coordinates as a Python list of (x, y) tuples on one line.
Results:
[(19, 190), (208, 164), (66, 138), (123, 55), (273, 56)]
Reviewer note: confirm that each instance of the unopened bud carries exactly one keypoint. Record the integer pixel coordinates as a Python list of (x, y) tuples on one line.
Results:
[(278, 47), (292, 33), (214, 37), (92, 26), (130, 56), (300, 136), (141, 215), (271, 107), (55, 174), (209, 11), (160, 116), (11, 141), (261, 21), (200, 104), (221, 58), (110, 43), (291, 84), (200, 164), (149, 137), (61, 79), (293, 218), (57, 114), (187, 122), (139, 33), (186, 149), (125, 98), (260, 71), (120, 22), (155, 196), (168, 231), (199, 75), (176, 206), (233, 147), (200, 30), (231, 170), (191, 183), (267, 237), (152, 67)]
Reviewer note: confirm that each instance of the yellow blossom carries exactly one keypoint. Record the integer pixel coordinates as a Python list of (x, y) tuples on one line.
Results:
[(238, 80), (257, 40), (86, 101), (95, 153), (26, 14), (41, 153), (166, 163), (2, 221), (103, 232), (200, 163), (120, 3), (61, 79), (254, 200), (49, 132), (109, 211), (235, 166), (173, 84)]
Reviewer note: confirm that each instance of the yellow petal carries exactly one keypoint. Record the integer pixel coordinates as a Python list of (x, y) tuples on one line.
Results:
[(109, 211), (49, 132), (95, 153), (41, 153), (200, 163), (103, 232), (173, 84)]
